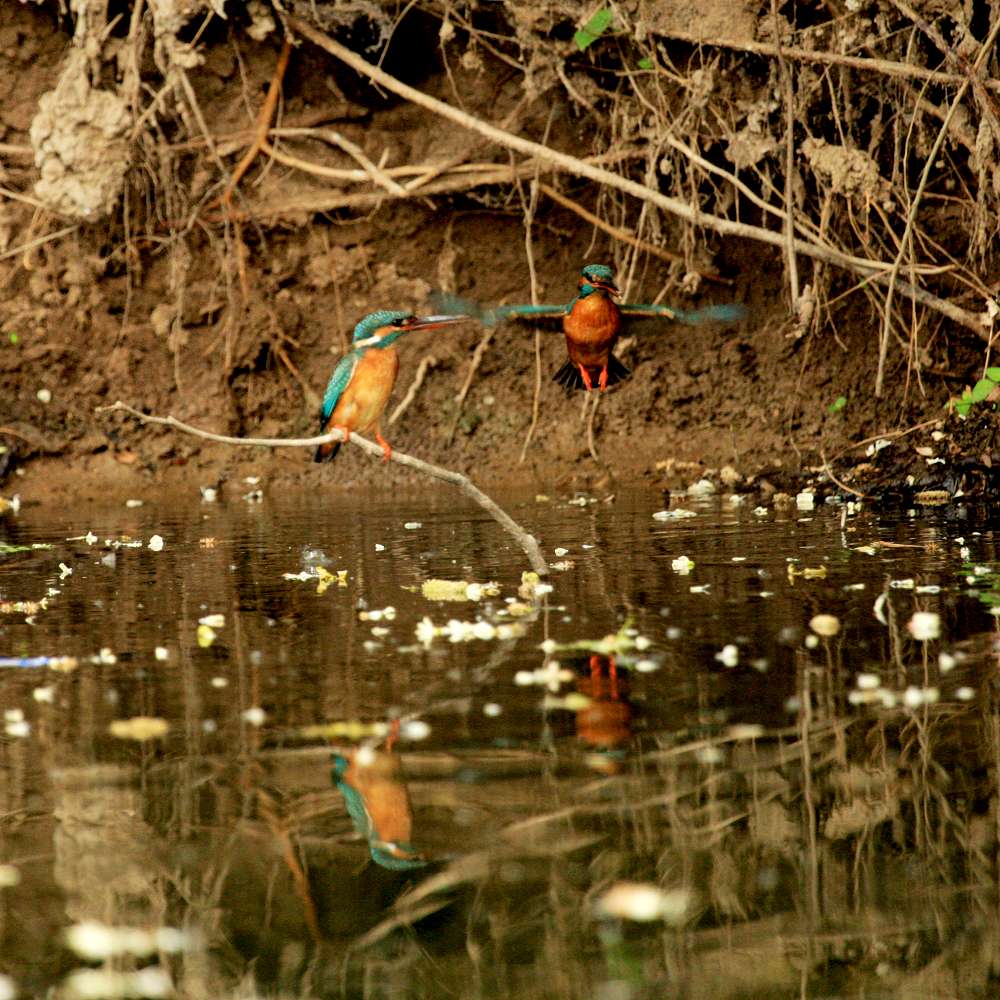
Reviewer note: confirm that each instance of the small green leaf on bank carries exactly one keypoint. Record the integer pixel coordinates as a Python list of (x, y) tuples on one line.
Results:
[(837, 405), (593, 29)]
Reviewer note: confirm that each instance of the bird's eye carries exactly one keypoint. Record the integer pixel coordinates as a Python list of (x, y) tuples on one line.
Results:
[(402, 321)]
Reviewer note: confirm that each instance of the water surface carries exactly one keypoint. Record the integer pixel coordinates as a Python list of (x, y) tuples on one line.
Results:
[(663, 777)]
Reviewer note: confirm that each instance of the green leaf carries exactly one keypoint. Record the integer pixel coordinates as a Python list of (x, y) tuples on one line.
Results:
[(962, 407), (13, 337), (982, 389), (837, 405), (593, 29), (646, 63), (994, 374)]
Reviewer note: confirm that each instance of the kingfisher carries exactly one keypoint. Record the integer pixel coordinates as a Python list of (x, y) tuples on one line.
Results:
[(591, 324), (363, 379), (379, 806)]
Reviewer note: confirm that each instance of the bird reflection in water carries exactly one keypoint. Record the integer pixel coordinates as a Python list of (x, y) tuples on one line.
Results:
[(377, 801), (605, 722)]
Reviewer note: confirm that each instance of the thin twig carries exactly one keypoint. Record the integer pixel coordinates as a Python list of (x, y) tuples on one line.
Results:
[(575, 165), (623, 235), (477, 358), (529, 209), (427, 362), (264, 118), (836, 481), (37, 242), (887, 67), (371, 170), (911, 216), (786, 80), (526, 541)]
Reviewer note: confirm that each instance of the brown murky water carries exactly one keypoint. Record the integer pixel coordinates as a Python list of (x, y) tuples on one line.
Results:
[(645, 783)]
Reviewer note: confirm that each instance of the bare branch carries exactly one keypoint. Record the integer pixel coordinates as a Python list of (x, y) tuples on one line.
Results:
[(527, 542)]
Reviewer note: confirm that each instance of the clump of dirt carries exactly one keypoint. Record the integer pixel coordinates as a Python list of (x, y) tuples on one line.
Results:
[(193, 216)]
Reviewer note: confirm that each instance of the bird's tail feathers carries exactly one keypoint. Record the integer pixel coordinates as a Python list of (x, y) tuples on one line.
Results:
[(327, 452), (569, 376)]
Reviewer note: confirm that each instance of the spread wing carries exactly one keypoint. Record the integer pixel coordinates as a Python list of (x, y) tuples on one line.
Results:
[(491, 316), (336, 386), (729, 313)]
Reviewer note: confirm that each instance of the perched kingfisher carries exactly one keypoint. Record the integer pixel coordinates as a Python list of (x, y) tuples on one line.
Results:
[(592, 323), (363, 379), (379, 806)]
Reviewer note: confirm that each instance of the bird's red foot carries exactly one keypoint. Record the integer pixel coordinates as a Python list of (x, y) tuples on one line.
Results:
[(386, 447), (585, 375), (603, 380), (390, 740)]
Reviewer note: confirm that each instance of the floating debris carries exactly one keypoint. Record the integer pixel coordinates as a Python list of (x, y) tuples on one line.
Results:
[(491, 710), (327, 579), (97, 942), (807, 572), (65, 571), (729, 655), (9, 876), (677, 514), (161, 653), (23, 607), (550, 675), (353, 730), (206, 635), (44, 396), (925, 625), (254, 715), (806, 500), (132, 504), (213, 621), (89, 538), (914, 697), (104, 984), (702, 488), (140, 728), (11, 506), (682, 565), (458, 590), (643, 902), (155, 544), (209, 494), (413, 525), (15, 724), (44, 695), (378, 614), (825, 625), (414, 730)]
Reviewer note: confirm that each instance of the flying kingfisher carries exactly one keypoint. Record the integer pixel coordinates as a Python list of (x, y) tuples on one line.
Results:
[(363, 379), (592, 323)]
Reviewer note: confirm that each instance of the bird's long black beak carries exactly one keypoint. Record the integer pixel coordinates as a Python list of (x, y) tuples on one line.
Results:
[(431, 322)]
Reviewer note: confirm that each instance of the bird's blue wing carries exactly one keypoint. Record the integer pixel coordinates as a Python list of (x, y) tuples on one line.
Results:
[(337, 384), (444, 302), (731, 312)]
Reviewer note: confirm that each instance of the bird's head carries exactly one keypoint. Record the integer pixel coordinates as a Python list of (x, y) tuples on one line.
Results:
[(597, 276), (380, 329)]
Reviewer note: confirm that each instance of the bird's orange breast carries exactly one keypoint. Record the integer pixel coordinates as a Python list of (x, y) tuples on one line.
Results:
[(591, 328), (362, 402), (382, 790)]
